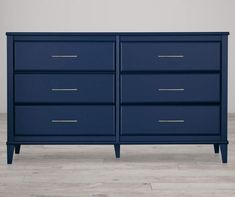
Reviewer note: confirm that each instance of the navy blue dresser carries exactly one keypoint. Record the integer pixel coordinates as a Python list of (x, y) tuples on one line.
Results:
[(117, 88)]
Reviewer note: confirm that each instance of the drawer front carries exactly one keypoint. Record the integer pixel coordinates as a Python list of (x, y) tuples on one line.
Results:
[(71, 88), (170, 120), (146, 56), (64, 56), (170, 88), (64, 120)]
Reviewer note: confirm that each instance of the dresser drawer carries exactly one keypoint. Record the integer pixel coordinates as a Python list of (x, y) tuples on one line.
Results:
[(146, 56), (164, 120), (70, 88), (64, 120), (64, 55), (170, 88)]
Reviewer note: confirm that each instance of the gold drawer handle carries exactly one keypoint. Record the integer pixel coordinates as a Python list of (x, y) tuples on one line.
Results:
[(64, 121), (171, 121), (170, 56), (64, 56), (64, 89), (171, 89)]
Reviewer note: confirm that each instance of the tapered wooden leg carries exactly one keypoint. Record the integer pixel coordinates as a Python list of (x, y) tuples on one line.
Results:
[(117, 150), (17, 149), (10, 152), (224, 152), (216, 148)]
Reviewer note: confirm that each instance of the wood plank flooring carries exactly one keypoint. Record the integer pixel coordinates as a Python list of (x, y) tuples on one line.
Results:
[(93, 171)]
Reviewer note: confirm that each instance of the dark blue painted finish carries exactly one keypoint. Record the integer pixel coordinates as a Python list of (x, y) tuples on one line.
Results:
[(224, 97), (106, 34), (171, 139), (152, 120), (115, 74), (17, 148), (10, 98), (39, 55), (152, 56), (64, 139), (224, 152), (216, 148), (170, 88), (117, 88), (117, 150), (91, 120), (64, 88)]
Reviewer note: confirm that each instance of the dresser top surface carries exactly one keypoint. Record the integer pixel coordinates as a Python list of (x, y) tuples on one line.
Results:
[(114, 33)]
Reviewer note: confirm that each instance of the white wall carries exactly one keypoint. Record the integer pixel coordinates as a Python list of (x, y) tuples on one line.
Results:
[(117, 15)]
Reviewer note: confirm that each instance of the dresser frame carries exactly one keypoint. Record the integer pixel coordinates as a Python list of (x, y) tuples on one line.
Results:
[(14, 142)]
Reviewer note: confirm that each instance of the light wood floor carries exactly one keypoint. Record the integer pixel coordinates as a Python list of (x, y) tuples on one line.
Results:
[(93, 171)]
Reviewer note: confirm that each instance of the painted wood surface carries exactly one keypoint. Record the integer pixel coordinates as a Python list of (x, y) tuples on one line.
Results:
[(112, 71)]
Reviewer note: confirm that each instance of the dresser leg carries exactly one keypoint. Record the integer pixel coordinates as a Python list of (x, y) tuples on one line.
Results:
[(10, 152), (17, 149), (117, 150), (216, 148), (224, 152)]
